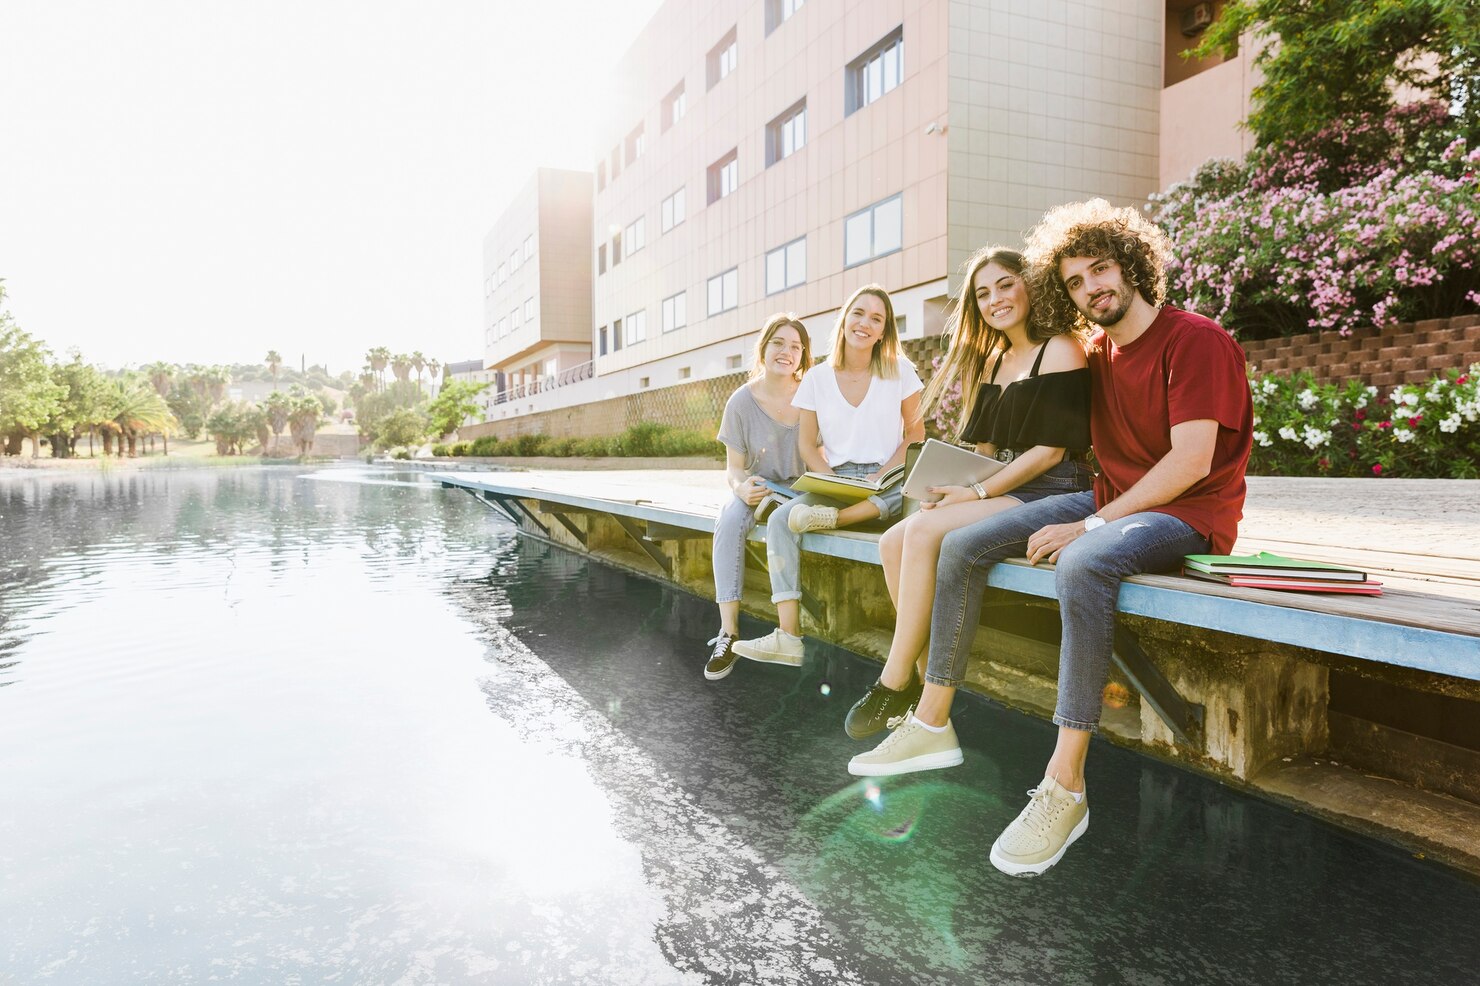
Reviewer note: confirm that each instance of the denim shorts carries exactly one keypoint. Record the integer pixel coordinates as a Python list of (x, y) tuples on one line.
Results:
[(1069, 476)]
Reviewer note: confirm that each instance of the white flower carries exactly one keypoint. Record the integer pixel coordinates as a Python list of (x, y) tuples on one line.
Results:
[(1315, 437), (1288, 434), (1371, 391), (1401, 412), (1361, 401), (1263, 439), (1256, 419), (1410, 399), (1268, 386), (1307, 399), (1396, 396), (1450, 425), (1403, 434), (1470, 410)]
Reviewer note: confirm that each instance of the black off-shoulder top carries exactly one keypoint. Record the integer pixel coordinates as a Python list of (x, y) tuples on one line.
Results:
[(1052, 409)]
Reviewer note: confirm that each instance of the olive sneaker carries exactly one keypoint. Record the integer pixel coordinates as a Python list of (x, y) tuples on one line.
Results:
[(871, 714), (722, 658), (908, 748), (811, 517), (1038, 837), (776, 647)]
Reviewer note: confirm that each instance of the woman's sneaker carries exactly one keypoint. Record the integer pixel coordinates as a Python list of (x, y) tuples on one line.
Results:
[(806, 517), (909, 748), (1039, 836), (722, 658), (776, 647), (871, 714)]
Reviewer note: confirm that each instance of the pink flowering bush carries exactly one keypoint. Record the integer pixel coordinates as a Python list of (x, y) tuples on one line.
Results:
[(944, 419), (1304, 428), (1365, 225)]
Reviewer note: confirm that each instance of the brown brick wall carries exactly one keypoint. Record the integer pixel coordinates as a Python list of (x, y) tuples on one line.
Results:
[(1405, 352)]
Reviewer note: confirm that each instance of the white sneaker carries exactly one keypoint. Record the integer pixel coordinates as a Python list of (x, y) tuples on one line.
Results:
[(776, 647), (1039, 836), (910, 747)]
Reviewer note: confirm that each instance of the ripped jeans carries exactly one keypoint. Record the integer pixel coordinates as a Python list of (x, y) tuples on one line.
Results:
[(1086, 578)]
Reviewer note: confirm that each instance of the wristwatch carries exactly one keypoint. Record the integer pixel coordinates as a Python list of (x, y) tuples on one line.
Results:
[(1093, 521)]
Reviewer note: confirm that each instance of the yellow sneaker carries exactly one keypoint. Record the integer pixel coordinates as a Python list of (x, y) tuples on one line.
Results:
[(910, 747)]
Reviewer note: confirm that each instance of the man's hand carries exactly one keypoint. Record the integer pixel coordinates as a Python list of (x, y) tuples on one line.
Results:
[(950, 495), (1047, 542)]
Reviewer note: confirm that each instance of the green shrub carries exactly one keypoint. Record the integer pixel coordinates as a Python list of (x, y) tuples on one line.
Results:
[(530, 445), (401, 453), (1431, 431), (461, 448), (439, 450), (484, 445)]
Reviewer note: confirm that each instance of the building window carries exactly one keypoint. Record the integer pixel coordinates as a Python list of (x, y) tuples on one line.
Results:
[(674, 211), (778, 12), (616, 335), (675, 105), (724, 291), (786, 266), (529, 247), (529, 309), (873, 232), (684, 373), (616, 248), (600, 175), (616, 161), (635, 328), (601, 337), (503, 273), (724, 175), (503, 327), (636, 144), (516, 259), (488, 336), (601, 259), (786, 134), (515, 319), (722, 58), (875, 72), (642, 382), (636, 235), (676, 311), (732, 362)]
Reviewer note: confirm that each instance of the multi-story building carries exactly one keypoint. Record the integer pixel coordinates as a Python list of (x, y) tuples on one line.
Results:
[(537, 285), (774, 155)]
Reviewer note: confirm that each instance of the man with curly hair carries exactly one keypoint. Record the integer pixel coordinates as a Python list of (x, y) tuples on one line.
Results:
[(1172, 424)]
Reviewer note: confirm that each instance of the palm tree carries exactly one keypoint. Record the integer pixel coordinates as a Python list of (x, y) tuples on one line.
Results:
[(162, 377), (305, 421), (273, 361), (401, 366), (379, 358), (218, 378), (137, 409), (418, 361)]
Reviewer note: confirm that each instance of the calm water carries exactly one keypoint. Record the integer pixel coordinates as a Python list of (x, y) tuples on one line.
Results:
[(261, 726)]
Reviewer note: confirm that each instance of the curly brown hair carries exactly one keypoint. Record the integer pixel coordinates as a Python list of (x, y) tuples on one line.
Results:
[(1094, 229), (973, 341)]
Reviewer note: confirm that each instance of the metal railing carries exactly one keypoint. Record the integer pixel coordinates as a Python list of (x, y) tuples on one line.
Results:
[(541, 385)]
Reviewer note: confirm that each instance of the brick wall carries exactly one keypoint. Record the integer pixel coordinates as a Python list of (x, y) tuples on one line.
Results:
[(1405, 352)]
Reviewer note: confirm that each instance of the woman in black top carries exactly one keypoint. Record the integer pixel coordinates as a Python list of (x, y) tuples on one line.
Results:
[(1025, 400)]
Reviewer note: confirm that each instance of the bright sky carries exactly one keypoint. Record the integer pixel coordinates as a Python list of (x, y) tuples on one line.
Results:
[(201, 181)]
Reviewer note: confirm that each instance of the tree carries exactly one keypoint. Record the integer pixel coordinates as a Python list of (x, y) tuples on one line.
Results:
[(137, 409), (278, 408), (403, 426), (273, 361), (232, 425), (401, 367), (454, 405), (1327, 61), (304, 421), (377, 359), (418, 361), (84, 406), (29, 396), (432, 367)]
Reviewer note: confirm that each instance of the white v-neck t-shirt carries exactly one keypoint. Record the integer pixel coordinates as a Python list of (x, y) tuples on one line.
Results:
[(868, 433)]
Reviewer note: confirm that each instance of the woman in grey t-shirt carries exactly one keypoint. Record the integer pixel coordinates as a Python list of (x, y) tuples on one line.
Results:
[(759, 431)]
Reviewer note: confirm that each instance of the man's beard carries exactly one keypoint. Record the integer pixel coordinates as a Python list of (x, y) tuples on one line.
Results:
[(1114, 314)]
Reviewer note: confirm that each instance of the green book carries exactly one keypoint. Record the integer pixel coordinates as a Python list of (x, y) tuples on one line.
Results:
[(1268, 563), (847, 488)]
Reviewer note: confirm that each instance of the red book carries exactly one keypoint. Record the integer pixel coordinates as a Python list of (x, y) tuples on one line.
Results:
[(1368, 588)]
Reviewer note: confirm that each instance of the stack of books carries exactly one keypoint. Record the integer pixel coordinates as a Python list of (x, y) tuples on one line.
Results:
[(1270, 571)]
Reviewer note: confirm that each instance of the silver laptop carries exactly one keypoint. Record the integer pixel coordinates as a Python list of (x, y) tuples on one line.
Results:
[(944, 464)]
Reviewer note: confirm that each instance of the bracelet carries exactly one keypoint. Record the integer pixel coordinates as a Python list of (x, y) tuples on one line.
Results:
[(979, 490)]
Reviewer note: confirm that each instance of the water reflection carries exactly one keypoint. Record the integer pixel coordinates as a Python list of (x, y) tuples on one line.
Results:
[(267, 727)]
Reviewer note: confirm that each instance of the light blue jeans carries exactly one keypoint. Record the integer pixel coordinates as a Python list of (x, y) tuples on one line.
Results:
[(731, 528), (1086, 578), (784, 549)]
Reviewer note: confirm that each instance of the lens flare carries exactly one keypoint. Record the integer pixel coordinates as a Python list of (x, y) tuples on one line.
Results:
[(825, 689)]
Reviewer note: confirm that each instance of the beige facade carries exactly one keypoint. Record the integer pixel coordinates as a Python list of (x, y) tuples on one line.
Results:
[(537, 282)]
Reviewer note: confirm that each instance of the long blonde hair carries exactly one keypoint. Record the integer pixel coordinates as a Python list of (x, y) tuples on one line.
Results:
[(974, 340), (884, 361), (773, 325)]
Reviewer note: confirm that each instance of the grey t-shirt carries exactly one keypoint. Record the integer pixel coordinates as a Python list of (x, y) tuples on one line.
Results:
[(770, 448)]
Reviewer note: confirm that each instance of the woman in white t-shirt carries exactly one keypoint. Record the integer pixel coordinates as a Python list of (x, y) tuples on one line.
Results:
[(860, 412)]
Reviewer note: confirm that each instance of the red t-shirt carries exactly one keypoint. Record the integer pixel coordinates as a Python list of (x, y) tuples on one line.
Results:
[(1182, 368)]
